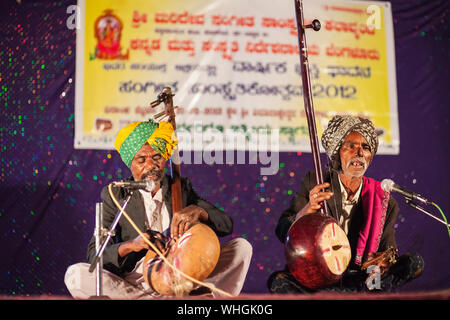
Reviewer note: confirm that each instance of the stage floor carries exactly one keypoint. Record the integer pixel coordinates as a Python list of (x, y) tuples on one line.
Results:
[(420, 295)]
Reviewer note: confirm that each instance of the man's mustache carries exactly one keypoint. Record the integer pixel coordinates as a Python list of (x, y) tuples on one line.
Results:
[(154, 172), (357, 159)]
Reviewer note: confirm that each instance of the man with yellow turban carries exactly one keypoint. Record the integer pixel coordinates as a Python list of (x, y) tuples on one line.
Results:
[(145, 147)]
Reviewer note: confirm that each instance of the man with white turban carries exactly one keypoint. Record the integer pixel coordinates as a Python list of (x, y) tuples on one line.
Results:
[(359, 205)]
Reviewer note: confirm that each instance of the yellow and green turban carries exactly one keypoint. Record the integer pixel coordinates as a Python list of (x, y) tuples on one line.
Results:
[(160, 136)]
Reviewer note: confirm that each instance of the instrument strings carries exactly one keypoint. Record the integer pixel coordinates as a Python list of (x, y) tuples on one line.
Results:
[(334, 171), (338, 212)]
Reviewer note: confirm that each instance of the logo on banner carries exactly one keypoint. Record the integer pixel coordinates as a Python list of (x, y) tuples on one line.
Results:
[(108, 31)]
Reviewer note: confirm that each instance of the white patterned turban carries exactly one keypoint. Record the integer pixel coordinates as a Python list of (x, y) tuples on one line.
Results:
[(340, 126)]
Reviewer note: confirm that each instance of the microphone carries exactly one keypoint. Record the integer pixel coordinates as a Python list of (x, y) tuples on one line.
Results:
[(388, 185), (147, 185)]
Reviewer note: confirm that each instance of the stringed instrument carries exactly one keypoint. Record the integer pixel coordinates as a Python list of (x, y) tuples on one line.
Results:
[(196, 252), (317, 250)]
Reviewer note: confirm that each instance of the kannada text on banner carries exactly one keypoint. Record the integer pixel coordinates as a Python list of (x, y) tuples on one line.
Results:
[(233, 71)]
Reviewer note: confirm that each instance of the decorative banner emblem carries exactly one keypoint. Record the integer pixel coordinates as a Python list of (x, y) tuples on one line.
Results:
[(108, 31)]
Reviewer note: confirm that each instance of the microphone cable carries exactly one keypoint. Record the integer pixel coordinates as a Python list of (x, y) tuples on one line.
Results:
[(443, 216)]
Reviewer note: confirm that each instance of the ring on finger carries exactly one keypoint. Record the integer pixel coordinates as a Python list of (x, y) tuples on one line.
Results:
[(315, 195)]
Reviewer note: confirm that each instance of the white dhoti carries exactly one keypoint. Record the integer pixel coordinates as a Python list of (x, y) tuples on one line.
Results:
[(228, 275)]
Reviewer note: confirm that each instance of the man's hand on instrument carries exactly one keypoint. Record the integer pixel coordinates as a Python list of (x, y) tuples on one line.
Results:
[(185, 218), (134, 245), (158, 239), (137, 244), (316, 198)]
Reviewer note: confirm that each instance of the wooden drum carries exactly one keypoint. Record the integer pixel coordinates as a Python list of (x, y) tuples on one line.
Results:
[(195, 253), (317, 251)]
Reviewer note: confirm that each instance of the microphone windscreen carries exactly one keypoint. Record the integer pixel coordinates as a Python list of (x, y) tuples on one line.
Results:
[(387, 185)]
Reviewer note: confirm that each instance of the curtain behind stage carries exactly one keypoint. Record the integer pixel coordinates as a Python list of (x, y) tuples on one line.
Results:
[(49, 189)]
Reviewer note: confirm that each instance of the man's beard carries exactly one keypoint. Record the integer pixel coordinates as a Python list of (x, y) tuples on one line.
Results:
[(359, 173), (155, 174)]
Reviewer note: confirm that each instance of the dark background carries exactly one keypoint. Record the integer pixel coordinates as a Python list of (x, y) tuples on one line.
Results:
[(48, 189)]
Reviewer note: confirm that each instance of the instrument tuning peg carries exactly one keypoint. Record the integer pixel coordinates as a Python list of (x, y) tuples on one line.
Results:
[(162, 114), (167, 92), (315, 25)]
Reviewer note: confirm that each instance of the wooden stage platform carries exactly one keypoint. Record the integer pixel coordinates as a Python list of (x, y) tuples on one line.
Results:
[(419, 295)]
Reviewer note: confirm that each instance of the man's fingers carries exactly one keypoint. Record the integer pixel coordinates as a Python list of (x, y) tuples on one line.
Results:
[(317, 197), (143, 244), (181, 228), (182, 221), (174, 226), (187, 226), (160, 246), (319, 187), (321, 196), (161, 237), (324, 196)]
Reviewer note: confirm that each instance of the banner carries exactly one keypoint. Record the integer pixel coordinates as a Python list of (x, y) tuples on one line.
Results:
[(234, 66)]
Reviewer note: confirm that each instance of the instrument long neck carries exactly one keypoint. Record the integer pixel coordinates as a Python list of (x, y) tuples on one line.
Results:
[(175, 171), (307, 96)]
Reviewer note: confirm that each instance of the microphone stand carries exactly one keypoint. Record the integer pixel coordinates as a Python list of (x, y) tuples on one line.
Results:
[(109, 234), (99, 232), (416, 206)]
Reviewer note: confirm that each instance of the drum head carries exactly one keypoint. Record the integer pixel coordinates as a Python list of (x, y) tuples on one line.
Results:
[(335, 248)]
